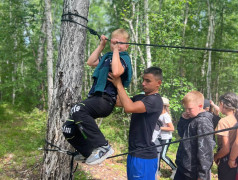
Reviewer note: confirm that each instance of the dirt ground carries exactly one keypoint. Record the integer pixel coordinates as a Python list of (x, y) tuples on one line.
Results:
[(108, 170)]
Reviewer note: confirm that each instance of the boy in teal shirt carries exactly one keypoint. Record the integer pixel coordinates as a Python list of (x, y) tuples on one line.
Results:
[(81, 130)]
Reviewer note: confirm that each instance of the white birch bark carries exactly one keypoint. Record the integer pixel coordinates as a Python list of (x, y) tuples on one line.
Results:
[(211, 13), (67, 88), (40, 50), (181, 61), (147, 33), (136, 39), (49, 51)]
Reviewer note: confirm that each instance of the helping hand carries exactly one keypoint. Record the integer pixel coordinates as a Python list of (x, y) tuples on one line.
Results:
[(232, 163), (216, 160), (115, 81)]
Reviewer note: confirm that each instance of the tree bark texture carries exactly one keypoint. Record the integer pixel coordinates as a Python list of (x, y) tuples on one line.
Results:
[(211, 13), (147, 33), (67, 88), (49, 50)]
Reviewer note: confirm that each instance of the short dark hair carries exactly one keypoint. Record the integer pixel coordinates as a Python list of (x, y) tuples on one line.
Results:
[(156, 71)]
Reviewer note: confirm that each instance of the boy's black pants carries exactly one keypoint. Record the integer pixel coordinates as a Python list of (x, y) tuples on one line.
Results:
[(81, 130)]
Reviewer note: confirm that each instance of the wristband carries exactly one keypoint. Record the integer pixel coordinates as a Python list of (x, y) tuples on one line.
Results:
[(231, 160)]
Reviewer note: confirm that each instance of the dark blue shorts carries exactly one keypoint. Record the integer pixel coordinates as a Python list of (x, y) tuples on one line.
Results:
[(141, 169)]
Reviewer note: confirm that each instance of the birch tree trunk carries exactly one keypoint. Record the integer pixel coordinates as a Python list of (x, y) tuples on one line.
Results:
[(134, 52), (67, 88), (181, 61), (134, 31), (49, 50), (147, 34), (40, 50), (211, 13), (40, 58), (14, 60)]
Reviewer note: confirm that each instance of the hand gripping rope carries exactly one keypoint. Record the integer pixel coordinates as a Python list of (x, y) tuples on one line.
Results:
[(68, 17), (73, 154)]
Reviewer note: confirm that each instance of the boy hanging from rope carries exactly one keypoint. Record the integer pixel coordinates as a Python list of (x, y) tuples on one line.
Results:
[(81, 130)]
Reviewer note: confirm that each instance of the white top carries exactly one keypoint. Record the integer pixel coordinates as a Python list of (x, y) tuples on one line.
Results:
[(165, 118)]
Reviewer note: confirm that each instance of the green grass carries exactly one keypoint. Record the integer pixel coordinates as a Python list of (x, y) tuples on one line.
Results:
[(21, 135)]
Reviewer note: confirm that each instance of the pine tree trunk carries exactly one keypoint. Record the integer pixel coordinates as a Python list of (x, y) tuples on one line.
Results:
[(67, 88)]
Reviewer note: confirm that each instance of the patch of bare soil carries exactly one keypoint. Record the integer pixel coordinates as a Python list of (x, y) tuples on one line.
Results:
[(108, 170)]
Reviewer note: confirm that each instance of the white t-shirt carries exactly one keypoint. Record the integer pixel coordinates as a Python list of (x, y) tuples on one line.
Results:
[(165, 118)]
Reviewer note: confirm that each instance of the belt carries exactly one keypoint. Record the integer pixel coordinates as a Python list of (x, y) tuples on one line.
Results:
[(104, 95)]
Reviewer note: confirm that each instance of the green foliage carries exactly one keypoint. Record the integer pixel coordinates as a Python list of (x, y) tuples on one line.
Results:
[(116, 128), (174, 90)]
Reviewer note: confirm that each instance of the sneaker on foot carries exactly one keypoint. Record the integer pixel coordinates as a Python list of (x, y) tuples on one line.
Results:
[(80, 158), (173, 173), (99, 155)]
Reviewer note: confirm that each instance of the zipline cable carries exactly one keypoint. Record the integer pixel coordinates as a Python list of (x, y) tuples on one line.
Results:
[(93, 32), (178, 141)]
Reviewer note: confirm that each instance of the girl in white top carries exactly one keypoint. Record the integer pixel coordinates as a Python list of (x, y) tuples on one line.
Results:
[(164, 135)]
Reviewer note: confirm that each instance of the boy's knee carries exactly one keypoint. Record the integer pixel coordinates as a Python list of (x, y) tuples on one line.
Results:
[(68, 129)]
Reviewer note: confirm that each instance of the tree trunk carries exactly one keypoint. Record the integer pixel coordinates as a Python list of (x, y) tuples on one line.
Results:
[(147, 34), (49, 50), (181, 61), (39, 60), (211, 13), (40, 49), (67, 89), (134, 30), (134, 51)]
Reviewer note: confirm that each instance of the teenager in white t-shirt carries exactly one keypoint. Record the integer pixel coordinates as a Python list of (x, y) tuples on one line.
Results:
[(163, 135)]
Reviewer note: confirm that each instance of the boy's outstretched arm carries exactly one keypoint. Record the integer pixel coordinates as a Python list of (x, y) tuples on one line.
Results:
[(117, 68), (128, 105), (93, 59)]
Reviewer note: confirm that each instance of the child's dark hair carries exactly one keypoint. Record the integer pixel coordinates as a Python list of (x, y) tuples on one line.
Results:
[(156, 71), (230, 101)]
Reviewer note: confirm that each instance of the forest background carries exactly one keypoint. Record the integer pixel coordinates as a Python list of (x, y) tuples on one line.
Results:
[(29, 53)]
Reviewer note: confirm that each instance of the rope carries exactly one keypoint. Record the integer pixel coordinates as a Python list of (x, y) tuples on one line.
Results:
[(172, 142), (178, 141), (181, 47), (77, 15), (93, 32), (70, 19), (73, 154)]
